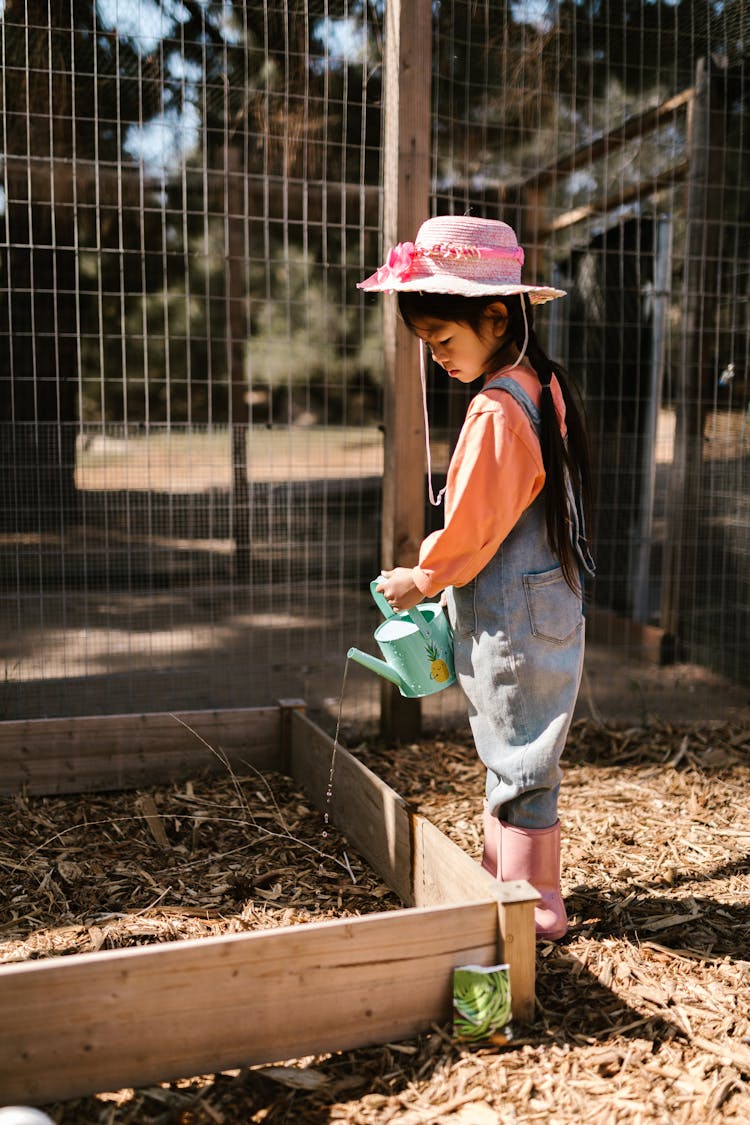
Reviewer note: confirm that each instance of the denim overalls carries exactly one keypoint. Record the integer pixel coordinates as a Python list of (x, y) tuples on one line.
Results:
[(518, 651)]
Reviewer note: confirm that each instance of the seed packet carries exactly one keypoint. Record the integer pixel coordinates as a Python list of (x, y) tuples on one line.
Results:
[(481, 1004)]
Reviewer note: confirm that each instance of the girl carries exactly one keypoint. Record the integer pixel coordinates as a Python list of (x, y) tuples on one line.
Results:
[(512, 554)]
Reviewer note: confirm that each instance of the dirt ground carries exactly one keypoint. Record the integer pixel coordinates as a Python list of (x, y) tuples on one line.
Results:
[(643, 1011)]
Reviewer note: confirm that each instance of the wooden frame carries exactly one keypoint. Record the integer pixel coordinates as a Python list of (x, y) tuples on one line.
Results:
[(406, 204), (100, 1021)]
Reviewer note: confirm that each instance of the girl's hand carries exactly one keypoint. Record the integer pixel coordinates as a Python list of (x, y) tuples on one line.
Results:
[(397, 586)]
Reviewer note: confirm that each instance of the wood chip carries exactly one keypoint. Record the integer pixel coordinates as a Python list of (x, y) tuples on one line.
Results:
[(147, 808), (643, 1011)]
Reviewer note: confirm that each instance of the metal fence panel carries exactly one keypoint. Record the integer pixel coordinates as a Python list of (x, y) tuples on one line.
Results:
[(190, 415)]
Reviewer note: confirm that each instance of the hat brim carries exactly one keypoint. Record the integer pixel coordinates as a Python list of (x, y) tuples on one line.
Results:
[(460, 287)]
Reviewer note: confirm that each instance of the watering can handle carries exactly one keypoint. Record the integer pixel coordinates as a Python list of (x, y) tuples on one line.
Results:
[(386, 610), (420, 623), (380, 601)]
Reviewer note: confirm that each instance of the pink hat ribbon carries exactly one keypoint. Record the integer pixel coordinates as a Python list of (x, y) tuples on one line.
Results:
[(400, 258)]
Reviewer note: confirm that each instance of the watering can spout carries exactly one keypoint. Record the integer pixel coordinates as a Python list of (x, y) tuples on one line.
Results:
[(374, 664)]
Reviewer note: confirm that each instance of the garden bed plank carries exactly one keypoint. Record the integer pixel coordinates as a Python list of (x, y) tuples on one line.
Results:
[(105, 752), (372, 816), (104, 1021)]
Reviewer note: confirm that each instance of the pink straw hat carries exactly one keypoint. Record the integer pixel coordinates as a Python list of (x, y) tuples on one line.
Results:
[(458, 254)]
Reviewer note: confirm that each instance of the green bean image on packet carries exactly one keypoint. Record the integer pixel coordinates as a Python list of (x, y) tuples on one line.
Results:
[(481, 1003)]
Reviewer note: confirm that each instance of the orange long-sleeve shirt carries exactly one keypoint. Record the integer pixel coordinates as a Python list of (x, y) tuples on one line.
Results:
[(495, 473)]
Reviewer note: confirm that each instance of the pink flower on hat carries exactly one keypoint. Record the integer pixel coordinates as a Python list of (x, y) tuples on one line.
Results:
[(397, 264)]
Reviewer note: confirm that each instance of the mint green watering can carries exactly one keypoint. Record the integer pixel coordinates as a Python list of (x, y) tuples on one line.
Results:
[(417, 645)]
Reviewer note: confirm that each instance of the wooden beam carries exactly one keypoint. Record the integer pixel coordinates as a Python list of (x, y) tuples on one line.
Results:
[(406, 203), (605, 144), (694, 375), (639, 125), (644, 188), (237, 328), (106, 752), (288, 707), (103, 1021)]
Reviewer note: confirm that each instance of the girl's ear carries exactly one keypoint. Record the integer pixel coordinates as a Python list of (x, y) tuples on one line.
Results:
[(498, 314)]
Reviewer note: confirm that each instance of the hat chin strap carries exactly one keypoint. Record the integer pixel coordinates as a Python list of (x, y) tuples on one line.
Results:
[(522, 352)]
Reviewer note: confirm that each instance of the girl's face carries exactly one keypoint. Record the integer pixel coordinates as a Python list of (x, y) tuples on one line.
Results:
[(463, 352)]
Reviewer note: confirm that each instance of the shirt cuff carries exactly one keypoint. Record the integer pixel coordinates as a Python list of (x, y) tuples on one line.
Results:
[(424, 582)]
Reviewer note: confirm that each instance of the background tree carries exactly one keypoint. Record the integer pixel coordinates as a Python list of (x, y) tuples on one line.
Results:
[(118, 124)]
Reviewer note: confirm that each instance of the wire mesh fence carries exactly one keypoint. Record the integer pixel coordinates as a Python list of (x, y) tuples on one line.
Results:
[(192, 404)]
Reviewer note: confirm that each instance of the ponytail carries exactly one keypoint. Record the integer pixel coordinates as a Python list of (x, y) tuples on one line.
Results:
[(565, 460)]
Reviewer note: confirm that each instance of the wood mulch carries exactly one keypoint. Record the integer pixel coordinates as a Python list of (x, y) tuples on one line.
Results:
[(643, 1011)]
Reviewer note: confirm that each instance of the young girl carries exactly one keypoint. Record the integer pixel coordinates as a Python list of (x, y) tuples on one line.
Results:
[(512, 554)]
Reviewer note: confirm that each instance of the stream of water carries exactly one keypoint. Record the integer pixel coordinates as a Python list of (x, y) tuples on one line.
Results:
[(329, 789)]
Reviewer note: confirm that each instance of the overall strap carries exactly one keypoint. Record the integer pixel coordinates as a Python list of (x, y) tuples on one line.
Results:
[(522, 397), (575, 508)]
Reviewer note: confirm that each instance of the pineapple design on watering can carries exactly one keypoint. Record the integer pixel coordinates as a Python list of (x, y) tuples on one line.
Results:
[(417, 646)]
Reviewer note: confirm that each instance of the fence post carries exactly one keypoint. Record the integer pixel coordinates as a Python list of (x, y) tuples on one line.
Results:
[(406, 202), (695, 369), (237, 333)]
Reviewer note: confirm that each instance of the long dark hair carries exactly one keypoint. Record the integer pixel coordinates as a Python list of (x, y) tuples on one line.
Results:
[(563, 459)]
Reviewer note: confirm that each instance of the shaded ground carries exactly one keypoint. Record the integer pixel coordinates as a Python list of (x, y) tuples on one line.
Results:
[(137, 601), (643, 1012)]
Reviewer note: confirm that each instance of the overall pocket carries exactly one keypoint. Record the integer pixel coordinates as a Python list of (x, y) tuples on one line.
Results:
[(462, 609), (555, 612)]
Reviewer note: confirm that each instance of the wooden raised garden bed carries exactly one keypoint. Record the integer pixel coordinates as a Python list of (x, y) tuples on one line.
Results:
[(71, 1026)]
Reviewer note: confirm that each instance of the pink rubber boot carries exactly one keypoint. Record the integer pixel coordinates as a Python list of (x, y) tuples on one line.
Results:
[(491, 841), (533, 854)]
